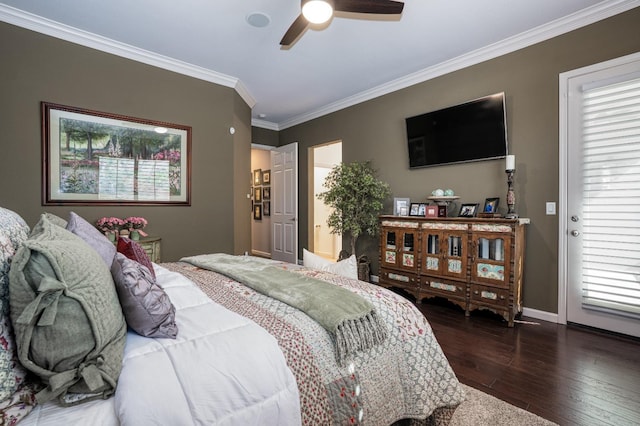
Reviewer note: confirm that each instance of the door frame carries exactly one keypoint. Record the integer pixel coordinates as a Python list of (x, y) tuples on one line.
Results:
[(310, 191), (563, 181)]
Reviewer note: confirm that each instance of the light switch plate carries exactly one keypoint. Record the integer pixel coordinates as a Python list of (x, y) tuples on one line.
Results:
[(551, 208)]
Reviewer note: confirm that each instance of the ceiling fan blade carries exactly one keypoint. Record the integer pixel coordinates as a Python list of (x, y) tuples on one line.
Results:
[(294, 31), (384, 7)]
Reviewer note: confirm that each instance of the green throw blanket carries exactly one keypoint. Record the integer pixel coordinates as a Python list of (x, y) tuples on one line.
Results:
[(349, 318)]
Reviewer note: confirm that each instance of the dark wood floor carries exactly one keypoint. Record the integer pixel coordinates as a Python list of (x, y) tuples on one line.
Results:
[(566, 374)]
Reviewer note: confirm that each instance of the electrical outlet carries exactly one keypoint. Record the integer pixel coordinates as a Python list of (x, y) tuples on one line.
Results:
[(551, 208)]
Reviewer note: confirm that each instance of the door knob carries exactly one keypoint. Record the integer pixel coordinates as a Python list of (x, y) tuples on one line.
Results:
[(575, 233)]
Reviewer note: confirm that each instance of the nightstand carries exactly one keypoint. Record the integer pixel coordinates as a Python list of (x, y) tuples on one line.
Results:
[(151, 245)]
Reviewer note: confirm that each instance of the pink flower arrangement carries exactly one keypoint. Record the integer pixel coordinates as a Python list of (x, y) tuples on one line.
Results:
[(109, 224), (137, 223)]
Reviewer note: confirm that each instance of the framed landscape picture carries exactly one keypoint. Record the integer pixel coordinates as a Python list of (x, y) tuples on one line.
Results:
[(93, 157)]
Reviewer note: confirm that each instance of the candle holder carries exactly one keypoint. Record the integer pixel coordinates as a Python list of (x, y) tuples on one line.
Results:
[(511, 196)]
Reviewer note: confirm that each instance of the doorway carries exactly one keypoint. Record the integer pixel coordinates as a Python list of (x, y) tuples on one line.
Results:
[(599, 251), (321, 241)]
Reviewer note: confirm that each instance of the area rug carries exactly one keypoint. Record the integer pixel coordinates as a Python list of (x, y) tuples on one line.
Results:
[(483, 409)]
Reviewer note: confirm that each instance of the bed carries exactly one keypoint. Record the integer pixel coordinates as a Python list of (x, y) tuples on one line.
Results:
[(241, 357)]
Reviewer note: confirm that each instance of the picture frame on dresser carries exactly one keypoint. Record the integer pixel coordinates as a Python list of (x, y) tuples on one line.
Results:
[(431, 211), (468, 210), (491, 205), (401, 206), (418, 209)]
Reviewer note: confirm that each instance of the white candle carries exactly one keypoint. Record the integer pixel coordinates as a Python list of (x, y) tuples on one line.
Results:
[(511, 162)]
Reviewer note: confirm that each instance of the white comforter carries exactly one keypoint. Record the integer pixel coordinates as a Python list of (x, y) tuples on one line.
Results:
[(223, 369)]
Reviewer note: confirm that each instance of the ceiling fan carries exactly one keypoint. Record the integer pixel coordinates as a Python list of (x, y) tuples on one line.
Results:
[(320, 11)]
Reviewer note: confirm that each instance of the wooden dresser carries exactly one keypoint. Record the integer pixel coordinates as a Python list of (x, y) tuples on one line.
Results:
[(473, 262)]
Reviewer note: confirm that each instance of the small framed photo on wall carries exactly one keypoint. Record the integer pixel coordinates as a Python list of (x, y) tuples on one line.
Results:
[(266, 193), (257, 211), (266, 177), (257, 177), (266, 208), (257, 194)]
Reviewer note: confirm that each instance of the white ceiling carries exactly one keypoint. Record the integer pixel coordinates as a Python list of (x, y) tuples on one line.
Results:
[(349, 61)]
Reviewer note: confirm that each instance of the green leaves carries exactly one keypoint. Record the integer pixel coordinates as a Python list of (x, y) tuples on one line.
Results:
[(357, 197)]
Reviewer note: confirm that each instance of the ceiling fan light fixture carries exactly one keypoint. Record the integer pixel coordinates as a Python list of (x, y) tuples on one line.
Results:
[(317, 11)]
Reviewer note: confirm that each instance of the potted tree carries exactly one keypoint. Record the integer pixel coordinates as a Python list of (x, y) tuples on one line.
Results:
[(357, 197)]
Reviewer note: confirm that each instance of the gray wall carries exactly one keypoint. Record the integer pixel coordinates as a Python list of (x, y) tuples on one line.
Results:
[(39, 68), (375, 131), (264, 136)]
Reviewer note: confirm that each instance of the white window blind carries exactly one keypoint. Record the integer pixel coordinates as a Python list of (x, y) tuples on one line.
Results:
[(611, 209)]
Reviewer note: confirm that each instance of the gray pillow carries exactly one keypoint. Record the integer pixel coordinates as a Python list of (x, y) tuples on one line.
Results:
[(83, 229), (147, 308), (68, 322)]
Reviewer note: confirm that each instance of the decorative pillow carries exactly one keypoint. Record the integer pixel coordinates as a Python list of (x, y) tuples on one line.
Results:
[(68, 322), (147, 308), (56, 219), (347, 267), (134, 251), (93, 237), (13, 231)]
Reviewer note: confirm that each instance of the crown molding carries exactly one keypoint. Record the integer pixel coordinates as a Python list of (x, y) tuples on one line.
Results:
[(64, 32), (55, 29), (264, 124), (544, 32)]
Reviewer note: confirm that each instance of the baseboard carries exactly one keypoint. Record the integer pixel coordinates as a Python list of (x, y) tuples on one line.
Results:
[(541, 315)]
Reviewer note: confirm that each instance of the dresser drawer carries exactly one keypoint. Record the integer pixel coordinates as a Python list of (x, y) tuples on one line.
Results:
[(480, 294), (441, 287), (393, 277)]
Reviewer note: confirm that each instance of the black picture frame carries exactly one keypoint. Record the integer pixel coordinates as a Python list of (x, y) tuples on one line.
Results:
[(257, 177), (257, 211), (266, 177), (266, 208), (468, 210), (491, 205), (418, 209), (257, 194), (266, 193)]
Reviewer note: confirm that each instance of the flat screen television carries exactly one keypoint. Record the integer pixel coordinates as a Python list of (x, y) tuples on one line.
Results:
[(472, 131)]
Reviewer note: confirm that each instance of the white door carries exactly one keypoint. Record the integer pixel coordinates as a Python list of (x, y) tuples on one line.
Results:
[(600, 227), (284, 203)]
